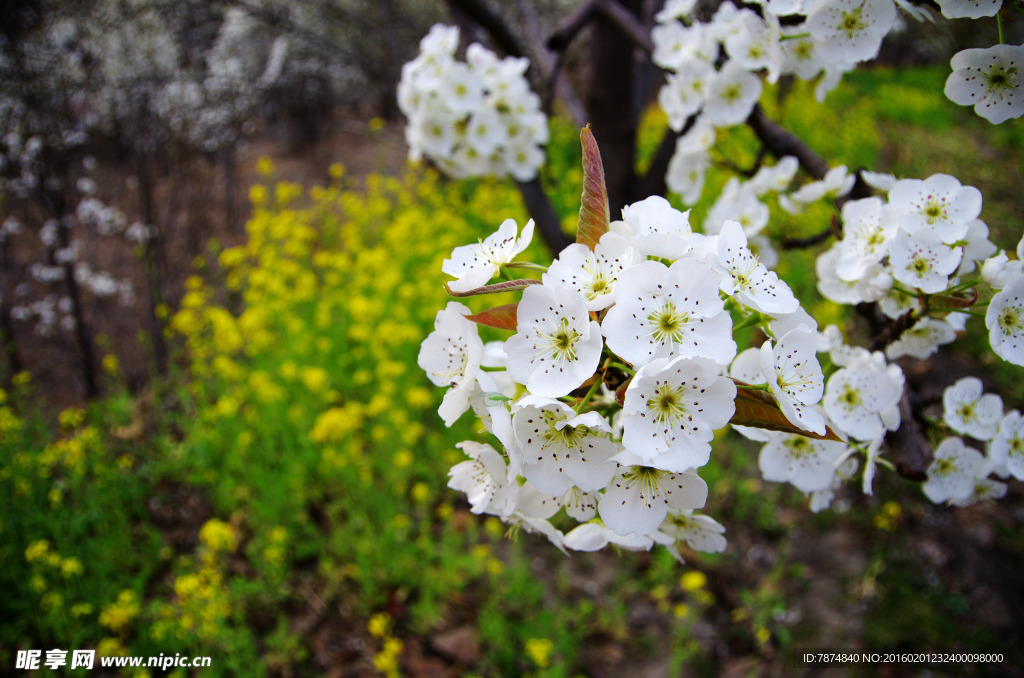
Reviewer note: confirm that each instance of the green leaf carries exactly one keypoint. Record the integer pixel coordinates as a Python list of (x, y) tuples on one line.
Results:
[(760, 409), (506, 286), (594, 212), (501, 317)]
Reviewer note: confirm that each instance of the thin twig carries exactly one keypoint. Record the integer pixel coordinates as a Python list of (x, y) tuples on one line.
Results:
[(781, 142)]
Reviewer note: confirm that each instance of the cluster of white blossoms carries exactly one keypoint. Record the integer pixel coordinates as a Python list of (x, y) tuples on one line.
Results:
[(915, 253), (990, 79), (620, 368), (960, 474), (472, 118), (622, 363), (715, 68)]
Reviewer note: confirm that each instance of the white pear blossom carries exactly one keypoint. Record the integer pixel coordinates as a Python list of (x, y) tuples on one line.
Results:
[(968, 411), (484, 479), (868, 229), (806, 463), (485, 131), (985, 489), (562, 449), (671, 411), (922, 340), (594, 273), (489, 401), (667, 311), (795, 377), (686, 173), (451, 355), (775, 177), (755, 43), (836, 183), (746, 278), (923, 261), (594, 536), (850, 30), (1007, 447), (675, 9), (639, 498), (684, 91), (656, 228), (999, 271), (969, 9), (881, 181), (862, 399), (781, 323), (731, 95), (990, 79), (896, 303), (462, 90), (830, 284), (737, 203), (953, 470), (556, 346), (1005, 322), (697, 531), (938, 204), (474, 265), (675, 45), (747, 367), (978, 247), (800, 53)]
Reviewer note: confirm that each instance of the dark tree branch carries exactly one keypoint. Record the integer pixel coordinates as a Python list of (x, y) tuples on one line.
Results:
[(834, 229), (490, 22), (560, 39), (781, 142), (544, 216), (911, 451), (613, 11), (551, 69), (627, 23)]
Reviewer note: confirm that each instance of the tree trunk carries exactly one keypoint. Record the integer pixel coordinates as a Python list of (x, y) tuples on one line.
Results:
[(610, 104)]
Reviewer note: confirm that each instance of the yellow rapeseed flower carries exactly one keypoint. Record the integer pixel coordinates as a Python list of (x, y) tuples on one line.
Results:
[(218, 536), (37, 550), (693, 580), (121, 612), (539, 651)]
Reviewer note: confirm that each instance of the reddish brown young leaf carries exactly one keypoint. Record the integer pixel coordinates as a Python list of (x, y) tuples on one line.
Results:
[(594, 213), (760, 410), (501, 317)]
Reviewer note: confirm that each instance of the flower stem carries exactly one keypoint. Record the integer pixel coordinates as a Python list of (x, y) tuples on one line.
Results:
[(526, 264), (628, 370), (944, 309), (590, 394)]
